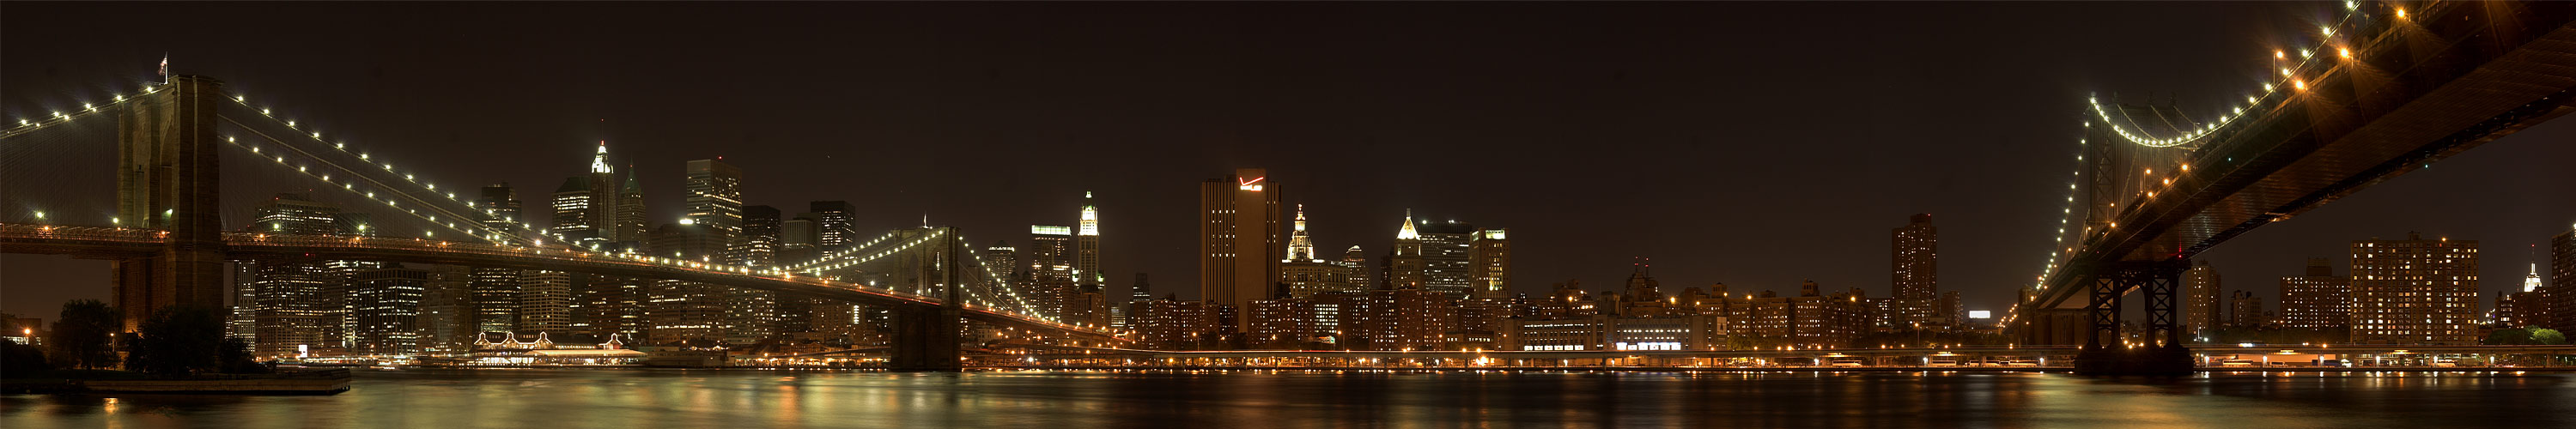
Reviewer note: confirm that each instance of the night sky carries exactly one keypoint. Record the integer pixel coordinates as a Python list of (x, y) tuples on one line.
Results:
[(1752, 144)]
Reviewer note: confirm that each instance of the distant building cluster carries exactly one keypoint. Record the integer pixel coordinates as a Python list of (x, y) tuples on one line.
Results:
[(1444, 286), (2399, 292), (289, 308)]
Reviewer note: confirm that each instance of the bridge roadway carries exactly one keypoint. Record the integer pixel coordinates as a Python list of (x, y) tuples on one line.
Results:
[(116, 243), (2443, 79)]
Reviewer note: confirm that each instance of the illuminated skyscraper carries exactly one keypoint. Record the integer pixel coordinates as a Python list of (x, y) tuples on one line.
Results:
[(754, 314), (1086, 244), (1405, 266), (1051, 267), (1303, 273), (2415, 291), (681, 311), (585, 207), (715, 200), (1489, 258), (834, 223), (1446, 254), (1916, 272), (384, 308), (1239, 249), (496, 290), (545, 302), (290, 301), (1003, 259)]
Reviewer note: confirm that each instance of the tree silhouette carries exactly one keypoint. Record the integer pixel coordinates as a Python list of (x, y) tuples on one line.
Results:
[(82, 334)]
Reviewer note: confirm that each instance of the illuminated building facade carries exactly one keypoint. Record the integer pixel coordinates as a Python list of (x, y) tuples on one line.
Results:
[(1915, 273), (2201, 310), (496, 290), (1613, 333), (545, 302), (384, 309), (1447, 266), (2415, 291), (835, 223), (1280, 324), (1404, 265), (2317, 300), (1086, 245), (1306, 275), (1809, 320), (1489, 261), (1051, 268), (1168, 324)]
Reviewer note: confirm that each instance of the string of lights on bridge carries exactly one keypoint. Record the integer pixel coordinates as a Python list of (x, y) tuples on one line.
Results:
[(834, 260), (2289, 78)]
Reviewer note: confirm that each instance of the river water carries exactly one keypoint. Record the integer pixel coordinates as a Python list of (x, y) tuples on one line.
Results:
[(636, 399)]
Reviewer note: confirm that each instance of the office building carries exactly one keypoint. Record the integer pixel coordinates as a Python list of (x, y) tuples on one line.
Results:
[(447, 309), (1489, 259), (1239, 248), (293, 306), (835, 223), (545, 302), (496, 290), (1355, 267), (1050, 274), (384, 309), (1446, 259), (1404, 264)]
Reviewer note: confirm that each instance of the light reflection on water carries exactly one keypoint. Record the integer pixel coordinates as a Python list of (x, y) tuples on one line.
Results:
[(633, 399)]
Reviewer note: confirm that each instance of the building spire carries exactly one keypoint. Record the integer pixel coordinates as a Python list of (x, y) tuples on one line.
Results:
[(2531, 283), (1300, 247), (1090, 215), (599, 162), (1407, 233)]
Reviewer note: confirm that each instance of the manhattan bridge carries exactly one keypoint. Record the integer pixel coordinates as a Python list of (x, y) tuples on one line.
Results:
[(2375, 91)]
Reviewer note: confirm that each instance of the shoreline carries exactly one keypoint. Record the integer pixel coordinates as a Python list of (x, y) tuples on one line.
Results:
[(2542, 370)]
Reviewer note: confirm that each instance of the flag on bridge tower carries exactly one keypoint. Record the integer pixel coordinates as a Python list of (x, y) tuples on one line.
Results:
[(165, 67)]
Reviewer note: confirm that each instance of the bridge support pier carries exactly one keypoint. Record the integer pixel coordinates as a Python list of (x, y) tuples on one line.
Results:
[(2160, 351), (167, 178), (926, 338)]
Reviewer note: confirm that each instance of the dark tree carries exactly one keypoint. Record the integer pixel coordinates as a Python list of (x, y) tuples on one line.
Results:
[(2509, 337), (22, 361), (178, 341), (82, 335)]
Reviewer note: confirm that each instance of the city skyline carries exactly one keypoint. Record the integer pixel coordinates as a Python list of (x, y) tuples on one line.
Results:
[(1570, 226)]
